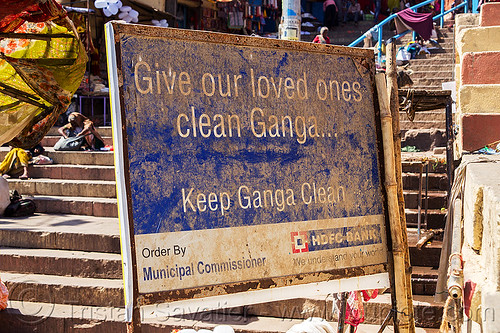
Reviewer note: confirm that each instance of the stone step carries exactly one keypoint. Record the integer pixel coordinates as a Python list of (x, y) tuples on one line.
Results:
[(436, 199), (440, 59), (64, 289), (73, 157), (427, 256), (61, 262), (436, 181), (429, 81), (416, 125), (411, 162), (74, 172), (441, 49), (436, 218), (437, 115), (99, 207), (427, 74), (425, 136), (423, 66), (65, 187), (104, 131), (59, 231), (27, 317), (50, 141)]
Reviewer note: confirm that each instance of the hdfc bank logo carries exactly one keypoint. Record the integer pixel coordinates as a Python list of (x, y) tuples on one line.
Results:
[(299, 242)]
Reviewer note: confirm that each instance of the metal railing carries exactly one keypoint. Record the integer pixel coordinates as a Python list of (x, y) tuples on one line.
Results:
[(378, 28)]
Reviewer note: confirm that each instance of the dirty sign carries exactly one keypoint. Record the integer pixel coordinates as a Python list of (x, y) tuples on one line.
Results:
[(245, 160)]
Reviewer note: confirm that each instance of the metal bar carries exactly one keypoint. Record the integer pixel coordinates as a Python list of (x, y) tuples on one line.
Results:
[(104, 121), (456, 278), (386, 322), (450, 10), (379, 56), (385, 21), (441, 21), (343, 305), (426, 193), (449, 145), (475, 5), (419, 216)]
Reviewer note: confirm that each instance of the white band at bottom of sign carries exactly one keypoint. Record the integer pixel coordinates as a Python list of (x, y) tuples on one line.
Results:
[(321, 290), (195, 258)]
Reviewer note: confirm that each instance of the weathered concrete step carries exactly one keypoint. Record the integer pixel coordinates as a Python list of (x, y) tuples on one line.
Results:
[(75, 172), (50, 141), (441, 49), (422, 66), (424, 139), (436, 218), (436, 199), (102, 130), (65, 232), (91, 206), (73, 157), (427, 256), (61, 262), (435, 60), (411, 162), (28, 317), (436, 115), (64, 187), (64, 289), (436, 181), (416, 124), (424, 280), (439, 74), (431, 80)]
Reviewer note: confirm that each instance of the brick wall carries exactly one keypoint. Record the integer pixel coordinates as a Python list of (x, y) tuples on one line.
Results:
[(478, 80)]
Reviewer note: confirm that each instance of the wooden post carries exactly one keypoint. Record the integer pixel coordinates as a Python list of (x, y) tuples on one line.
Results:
[(392, 83), (399, 247)]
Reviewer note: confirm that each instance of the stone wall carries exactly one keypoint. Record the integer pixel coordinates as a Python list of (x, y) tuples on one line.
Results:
[(477, 76), (481, 242)]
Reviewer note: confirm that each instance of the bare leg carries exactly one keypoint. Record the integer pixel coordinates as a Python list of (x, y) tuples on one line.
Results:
[(25, 173)]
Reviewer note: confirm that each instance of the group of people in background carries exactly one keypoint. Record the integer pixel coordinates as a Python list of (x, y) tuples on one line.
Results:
[(336, 10)]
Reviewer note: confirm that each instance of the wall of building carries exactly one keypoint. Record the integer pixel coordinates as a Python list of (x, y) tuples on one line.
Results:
[(478, 78)]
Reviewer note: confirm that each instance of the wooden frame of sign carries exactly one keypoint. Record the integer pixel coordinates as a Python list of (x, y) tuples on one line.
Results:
[(248, 169)]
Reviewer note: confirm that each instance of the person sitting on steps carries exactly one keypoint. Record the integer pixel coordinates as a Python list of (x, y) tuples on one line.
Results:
[(352, 12), (79, 125), (15, 163)]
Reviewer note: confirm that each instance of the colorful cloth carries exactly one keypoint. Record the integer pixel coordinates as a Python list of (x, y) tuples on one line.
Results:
[(421, 23), (37, 77), (14, 162)]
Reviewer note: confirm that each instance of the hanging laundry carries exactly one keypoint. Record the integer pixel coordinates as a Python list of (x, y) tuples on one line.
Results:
[(421, 23)]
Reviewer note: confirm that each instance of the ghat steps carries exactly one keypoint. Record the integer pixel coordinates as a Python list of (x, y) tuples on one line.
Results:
[(63, 266)]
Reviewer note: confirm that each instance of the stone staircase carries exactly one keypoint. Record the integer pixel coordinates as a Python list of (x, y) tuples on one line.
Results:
[(63, 265), (429, 72)]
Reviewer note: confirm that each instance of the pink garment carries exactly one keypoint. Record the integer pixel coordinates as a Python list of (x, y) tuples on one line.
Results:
[(328, 3)]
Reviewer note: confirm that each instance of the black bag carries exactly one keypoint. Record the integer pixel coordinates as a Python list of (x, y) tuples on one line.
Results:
[(19, 206)]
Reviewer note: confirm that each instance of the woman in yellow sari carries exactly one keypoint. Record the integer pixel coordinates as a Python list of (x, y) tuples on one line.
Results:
[(15, 164)]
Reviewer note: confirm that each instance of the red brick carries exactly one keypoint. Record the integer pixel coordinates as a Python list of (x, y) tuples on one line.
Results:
[(481, 68), (478, 130), (490, 14)]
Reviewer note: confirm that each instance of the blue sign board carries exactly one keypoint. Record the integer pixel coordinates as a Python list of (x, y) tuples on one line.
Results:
[(247, 158)]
